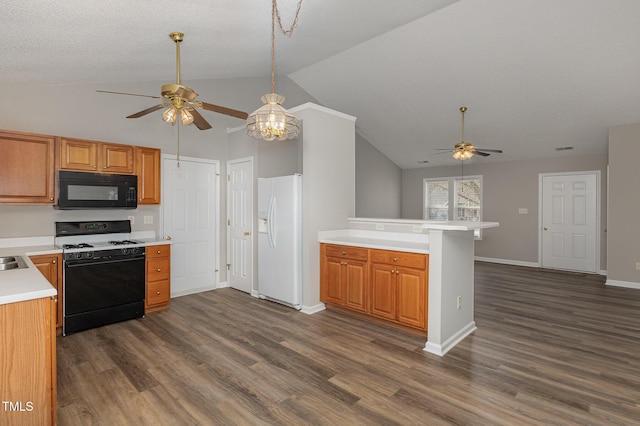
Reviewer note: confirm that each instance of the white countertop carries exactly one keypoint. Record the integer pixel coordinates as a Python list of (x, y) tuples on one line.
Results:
[(19, 285), (445, 225), (414, 243)]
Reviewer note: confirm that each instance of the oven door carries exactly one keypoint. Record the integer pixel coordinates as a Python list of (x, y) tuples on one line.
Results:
[(98, 292)]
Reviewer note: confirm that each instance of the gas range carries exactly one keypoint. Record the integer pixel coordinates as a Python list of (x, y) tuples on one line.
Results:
[(84, 239), (103, 273)]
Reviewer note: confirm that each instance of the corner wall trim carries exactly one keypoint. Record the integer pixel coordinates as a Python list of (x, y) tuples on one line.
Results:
[(626, 284), (441, 350), (310, 310)]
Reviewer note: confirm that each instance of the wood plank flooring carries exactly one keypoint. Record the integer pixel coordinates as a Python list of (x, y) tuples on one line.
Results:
[(551, 348)]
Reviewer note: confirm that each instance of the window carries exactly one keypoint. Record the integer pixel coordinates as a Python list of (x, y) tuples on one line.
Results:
[(464, 202)]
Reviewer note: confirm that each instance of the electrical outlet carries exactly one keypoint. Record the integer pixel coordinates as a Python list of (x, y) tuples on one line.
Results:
[(459, 302), (131, 219), (148, 220)]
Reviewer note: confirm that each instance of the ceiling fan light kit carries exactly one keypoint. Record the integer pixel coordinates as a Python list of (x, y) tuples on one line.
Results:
[(180, 100), (464, 150), (272, 121)]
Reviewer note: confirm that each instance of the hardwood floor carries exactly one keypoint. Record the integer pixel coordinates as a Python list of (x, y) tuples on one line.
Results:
[(551, 348)]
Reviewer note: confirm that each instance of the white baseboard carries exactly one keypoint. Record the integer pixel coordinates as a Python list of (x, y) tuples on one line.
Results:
[(192, 291), (626, 284), (222, 284), (310, 310), (255, 294), (507, 262), (442, 349)]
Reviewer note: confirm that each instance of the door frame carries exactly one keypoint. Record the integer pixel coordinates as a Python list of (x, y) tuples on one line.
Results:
[(598, 212), (254, 291), (216, 163)]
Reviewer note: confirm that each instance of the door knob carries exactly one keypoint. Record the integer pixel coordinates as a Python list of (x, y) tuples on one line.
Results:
[(167, 238), (247, 233), (545, 228)]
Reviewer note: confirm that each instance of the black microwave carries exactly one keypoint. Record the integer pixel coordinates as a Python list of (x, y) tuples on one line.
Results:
[(83, 190)]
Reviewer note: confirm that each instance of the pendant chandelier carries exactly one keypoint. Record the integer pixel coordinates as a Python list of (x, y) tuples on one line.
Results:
[(272, 121)]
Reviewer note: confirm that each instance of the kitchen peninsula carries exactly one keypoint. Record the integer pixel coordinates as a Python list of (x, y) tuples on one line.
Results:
[(413, 272)]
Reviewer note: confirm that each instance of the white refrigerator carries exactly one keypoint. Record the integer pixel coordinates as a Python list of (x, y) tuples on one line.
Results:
[(280, 239)]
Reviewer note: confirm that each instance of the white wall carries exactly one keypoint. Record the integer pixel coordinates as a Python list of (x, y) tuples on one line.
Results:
[(328, 163), (378, 182)]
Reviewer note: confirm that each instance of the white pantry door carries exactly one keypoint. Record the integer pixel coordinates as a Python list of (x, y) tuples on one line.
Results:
[(190, 216), (570, 221), (239, 224)]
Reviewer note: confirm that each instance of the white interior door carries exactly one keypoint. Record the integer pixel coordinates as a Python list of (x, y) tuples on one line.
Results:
[(240, 224), (190, 217), (570, 222)]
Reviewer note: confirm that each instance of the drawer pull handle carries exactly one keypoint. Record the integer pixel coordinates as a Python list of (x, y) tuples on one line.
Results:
[(397, 272), (158, 269), (158, 293), (393, 271), (344, 252), (158, 251), (53, 261), (395, 259)]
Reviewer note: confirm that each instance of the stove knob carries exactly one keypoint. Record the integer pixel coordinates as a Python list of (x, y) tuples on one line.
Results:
[(125, 251), (88, 254), (134, 250), (77, 255)]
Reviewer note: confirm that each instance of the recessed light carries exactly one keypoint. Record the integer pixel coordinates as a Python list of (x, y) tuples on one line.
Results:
[(564, 148)]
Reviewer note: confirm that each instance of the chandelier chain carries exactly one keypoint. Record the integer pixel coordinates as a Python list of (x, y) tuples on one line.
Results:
[(276, 13), (295, 19)]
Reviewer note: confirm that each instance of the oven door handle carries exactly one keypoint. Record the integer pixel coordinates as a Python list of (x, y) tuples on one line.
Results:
[(76, 264)]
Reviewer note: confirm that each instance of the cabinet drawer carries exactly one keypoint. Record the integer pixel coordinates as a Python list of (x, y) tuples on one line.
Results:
[(399, 258), (158, 292), (348, 252), (158, 251), (158, 269)]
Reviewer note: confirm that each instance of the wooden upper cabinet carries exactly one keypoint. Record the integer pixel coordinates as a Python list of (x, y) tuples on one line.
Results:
[(82, 155), (116, 158), (148, 171), (26, 168)]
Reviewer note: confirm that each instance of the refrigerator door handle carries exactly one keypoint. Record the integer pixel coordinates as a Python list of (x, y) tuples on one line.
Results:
[(273, 228)]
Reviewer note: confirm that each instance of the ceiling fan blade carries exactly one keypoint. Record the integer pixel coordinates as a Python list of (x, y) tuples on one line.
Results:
[(223, 110), (147, 111), (484, 154), (199, 120), (498, 151), (129, 94), (185, 93)]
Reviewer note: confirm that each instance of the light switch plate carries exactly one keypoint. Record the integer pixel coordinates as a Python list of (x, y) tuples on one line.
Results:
[(523, 210)]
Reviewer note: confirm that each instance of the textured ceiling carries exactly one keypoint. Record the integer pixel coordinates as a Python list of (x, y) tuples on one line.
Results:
[(535, 74)]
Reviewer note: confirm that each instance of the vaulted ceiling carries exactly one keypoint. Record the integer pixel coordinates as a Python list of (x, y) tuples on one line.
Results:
[(536, 75)]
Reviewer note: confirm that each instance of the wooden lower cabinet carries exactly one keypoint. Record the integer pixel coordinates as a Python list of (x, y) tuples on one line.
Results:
[(50, 265), (158, 278), (28, 363), (385, 284)]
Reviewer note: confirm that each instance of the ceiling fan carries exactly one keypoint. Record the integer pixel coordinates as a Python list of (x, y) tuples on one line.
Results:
[(180, 100), (464, 150)]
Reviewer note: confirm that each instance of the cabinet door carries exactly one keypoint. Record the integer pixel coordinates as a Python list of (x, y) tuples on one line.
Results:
[(116, 158), (51, 267), (26, 168), (148, 171), (77, 154), (383, 291), (331, 290), (355, 276), (412, 299)]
